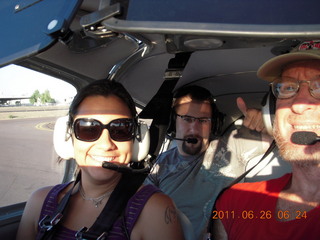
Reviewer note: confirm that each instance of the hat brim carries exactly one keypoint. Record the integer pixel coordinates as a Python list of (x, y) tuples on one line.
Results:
[(273, 68)]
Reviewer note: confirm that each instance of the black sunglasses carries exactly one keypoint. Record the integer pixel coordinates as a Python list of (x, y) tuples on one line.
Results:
[(90, 130)]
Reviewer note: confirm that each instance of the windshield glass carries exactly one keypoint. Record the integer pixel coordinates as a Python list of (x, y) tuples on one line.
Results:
[(30, 102)]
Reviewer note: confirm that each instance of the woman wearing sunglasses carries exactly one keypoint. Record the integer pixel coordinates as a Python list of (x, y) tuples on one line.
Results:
[(102, 123)]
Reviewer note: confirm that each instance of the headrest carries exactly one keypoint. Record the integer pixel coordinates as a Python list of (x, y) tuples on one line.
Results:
[(62, 140)]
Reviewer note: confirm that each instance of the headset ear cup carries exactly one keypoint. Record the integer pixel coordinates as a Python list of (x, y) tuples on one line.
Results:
[(268, 111), (172, 122), (217, 121), (141, 142), (62, 140)]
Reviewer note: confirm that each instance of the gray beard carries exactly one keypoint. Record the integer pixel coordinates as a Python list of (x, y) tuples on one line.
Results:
[(299, 157)]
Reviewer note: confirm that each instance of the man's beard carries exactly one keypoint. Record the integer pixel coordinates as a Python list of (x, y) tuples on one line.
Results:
[(296, 155)]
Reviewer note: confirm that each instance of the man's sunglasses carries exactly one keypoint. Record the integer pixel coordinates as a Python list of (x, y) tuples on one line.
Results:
[(90, 130)]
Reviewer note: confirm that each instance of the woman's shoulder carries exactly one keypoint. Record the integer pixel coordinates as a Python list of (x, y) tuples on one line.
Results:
[(38, 196), (30, 218), (33, 207), (159, 203), (149, 199), (159, 217), (160, 199), (147, 195)]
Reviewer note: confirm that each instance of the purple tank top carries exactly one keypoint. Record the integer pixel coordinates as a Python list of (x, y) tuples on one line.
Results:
[(133, 209)]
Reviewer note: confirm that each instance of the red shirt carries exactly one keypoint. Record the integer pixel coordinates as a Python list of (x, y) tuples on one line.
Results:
[(248, 211)]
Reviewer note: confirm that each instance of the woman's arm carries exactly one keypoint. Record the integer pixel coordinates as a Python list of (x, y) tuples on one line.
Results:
[(158, 220), (28, 227)]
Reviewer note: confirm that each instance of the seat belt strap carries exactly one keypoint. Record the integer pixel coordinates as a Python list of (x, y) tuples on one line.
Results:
[(48, 223)]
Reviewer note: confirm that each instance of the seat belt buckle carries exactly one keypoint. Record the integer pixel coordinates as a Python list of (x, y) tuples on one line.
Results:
[(83, 234), (103, 236), (48, 225), (79, 234)]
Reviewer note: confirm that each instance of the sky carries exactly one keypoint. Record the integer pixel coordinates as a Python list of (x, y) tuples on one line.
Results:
[(16, 81)]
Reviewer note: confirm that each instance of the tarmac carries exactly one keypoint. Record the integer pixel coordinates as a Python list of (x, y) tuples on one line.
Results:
[(14, 112)]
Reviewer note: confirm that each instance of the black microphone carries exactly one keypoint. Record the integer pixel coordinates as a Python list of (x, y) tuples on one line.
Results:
[(304, 138), (125, 169), (188, 140)]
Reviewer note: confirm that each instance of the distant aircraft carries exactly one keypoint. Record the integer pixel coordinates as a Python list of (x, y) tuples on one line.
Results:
[(5, 100)]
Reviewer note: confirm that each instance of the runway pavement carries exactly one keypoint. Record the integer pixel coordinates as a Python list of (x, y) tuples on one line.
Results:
[(17, 112), (28, 160)]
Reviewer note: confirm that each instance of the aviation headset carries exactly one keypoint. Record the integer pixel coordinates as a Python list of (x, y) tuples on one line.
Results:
[(268, 110), (200, 94)]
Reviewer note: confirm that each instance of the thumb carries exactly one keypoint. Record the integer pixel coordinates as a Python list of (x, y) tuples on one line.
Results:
[(242, 106)]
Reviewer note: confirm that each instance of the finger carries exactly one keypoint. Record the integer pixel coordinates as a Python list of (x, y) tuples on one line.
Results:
[(254, 120), (249, 120), (242, 106)]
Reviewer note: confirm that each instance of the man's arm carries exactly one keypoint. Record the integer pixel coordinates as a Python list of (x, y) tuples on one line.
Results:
[(252, 117), (254, 121)]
